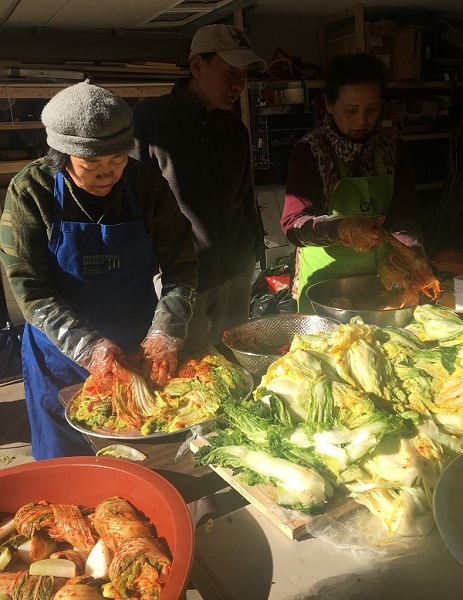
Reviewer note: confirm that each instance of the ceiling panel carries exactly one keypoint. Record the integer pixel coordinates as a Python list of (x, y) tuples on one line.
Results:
[(28, 13), (168, 19), (180, 12), (110, 14), (175, 14)]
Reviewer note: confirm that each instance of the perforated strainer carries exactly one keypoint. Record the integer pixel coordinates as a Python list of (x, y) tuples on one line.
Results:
[(259, 342)]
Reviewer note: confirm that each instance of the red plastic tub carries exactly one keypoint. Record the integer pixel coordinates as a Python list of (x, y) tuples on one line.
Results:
[(89, 480)]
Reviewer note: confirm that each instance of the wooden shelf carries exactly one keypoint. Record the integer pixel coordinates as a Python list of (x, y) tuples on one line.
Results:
[(17, 125), (440, 86), (138, 90), (417, 137), (434, 185), (319, 84), (13, 166), (314, 84), (33, 90), (48, 90)]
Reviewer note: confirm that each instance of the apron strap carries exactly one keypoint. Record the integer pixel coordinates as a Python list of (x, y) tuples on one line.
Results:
[(133, 204), (58, 193), (379, 162), (341, 166), (58, 206)]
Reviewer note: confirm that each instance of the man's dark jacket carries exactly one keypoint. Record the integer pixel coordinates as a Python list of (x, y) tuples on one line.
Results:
[(205, 157)]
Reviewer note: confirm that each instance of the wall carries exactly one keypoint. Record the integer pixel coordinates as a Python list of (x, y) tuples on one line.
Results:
[(56, 47), (298, 38)]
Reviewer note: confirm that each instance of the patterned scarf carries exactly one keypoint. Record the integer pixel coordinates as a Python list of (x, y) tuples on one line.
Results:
[(327, 142), (358, 158)]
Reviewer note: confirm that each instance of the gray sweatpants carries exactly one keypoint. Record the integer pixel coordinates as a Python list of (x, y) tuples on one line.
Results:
[(218, 309)]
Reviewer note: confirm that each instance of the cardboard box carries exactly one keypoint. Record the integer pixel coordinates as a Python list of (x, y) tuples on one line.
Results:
[(406, 53), (341, 32), (270, 200), (379, 39), (416, 114), (384, 28)]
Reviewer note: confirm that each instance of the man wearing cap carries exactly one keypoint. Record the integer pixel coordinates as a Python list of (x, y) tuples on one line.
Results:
[(202, 148), (80, 235)]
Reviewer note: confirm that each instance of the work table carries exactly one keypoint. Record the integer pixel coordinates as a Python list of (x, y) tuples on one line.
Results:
[(193, 482), (244, 557), (241, 555)]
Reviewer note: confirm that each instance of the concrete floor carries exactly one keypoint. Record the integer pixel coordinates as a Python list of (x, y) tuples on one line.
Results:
[(15, 439)]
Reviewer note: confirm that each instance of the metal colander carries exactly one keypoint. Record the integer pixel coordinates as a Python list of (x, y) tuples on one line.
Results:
[(255, 344)]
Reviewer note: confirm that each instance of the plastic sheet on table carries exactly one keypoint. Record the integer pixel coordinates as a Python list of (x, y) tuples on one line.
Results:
[(350, 526)]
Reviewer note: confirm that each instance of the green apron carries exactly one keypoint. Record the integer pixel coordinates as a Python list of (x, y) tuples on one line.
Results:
[(370, 196)]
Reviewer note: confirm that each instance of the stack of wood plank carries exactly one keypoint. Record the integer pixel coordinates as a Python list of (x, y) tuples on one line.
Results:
[(78, 71)]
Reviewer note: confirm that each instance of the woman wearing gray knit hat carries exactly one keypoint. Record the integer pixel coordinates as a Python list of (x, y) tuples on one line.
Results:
[(83, 231)]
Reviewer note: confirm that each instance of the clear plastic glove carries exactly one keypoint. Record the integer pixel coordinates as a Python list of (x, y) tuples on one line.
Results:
[(409, 232), (159, 354), (104, 359), (360, 233), (173, 313), (101, 356)]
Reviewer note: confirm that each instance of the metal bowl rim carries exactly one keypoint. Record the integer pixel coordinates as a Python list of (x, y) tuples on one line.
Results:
[(282, 316), (355, 310)]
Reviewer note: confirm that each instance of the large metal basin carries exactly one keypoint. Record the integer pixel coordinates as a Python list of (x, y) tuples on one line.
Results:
[(361, 291)]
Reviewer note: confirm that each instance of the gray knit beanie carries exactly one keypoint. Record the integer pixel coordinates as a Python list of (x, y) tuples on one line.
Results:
[(87, 120)]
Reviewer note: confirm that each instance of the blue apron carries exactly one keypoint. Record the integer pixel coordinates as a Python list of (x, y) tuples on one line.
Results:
[(106, 274)]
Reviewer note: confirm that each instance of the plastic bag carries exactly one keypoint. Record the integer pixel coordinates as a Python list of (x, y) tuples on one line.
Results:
[(270, 304), (264, 299), (278, 282), (349, 526)]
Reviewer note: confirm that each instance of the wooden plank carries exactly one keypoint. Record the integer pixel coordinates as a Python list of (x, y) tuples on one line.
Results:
[(293, 525), (270, 211), (442, 87), (75, 71), (17, 125), (140, 90), (126, 90), (359, 27), (9, 89), (244, 98), (13, 166)]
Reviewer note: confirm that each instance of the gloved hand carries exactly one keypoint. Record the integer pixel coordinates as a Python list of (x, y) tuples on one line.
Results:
[(101, 357), (104, 359), (159, 354), (360, 233)]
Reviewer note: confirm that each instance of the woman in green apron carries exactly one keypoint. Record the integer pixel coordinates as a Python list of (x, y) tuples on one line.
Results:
[(346, 179)]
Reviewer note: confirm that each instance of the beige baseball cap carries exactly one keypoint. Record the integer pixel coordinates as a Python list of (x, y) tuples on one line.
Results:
[(229, 43)]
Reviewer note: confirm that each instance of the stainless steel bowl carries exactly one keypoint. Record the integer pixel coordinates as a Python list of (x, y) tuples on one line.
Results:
[(360, 291), (256, 343)]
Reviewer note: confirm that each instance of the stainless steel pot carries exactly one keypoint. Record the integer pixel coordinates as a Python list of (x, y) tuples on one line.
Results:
[(361, 292)]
